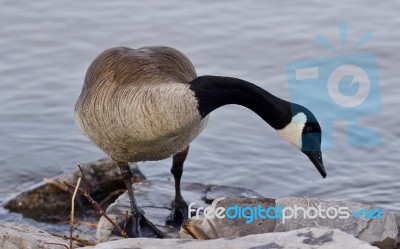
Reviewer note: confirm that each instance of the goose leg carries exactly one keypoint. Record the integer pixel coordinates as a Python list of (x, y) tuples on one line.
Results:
[(137, 225), (179, 211)]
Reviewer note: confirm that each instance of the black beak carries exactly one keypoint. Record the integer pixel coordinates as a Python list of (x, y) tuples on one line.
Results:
[(316, 159)]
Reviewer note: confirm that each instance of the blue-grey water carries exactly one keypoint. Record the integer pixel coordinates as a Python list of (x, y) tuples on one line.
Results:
[(47, 45)]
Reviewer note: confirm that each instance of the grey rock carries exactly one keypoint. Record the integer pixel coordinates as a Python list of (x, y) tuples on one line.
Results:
[(351, 225), (381, 232), (214, 192), (20, 236), (306, 238), (44, 199), (397, 215), (223, 228), (155, 198)]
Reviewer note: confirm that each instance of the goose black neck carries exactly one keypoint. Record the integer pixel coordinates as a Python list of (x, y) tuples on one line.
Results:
[(213, 92)]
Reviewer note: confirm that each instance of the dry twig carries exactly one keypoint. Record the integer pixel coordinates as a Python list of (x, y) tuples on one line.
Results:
[(85, 181), (71, 228), (55, 183), (86, 224), (80, 241), (126, 221), (194, 231), (111, 195), (94, 203)]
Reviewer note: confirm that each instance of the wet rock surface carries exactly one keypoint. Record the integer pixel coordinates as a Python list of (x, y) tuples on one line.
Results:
[(224, 228), (155, 199), (380, 232), (397, 215), (351, 225), (214, 192), (21, 236), (306, 238), (46, 200)]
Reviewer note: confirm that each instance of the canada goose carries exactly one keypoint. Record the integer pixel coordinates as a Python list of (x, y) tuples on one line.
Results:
[(147, 104)]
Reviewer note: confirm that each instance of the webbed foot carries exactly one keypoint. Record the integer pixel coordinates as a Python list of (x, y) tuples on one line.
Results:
[(178, 214), (139, 226)]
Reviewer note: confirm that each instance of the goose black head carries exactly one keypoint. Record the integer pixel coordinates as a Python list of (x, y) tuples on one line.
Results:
[(294, 122), (304, 132)]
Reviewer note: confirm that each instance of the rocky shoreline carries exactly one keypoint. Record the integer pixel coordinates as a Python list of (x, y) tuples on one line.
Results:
[(155, 198)]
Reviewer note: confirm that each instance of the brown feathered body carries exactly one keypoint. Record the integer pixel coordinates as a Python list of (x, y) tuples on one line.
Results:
[(136, 104)]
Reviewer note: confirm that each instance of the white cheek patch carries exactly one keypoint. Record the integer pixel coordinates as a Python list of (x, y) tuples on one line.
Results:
[(293, 131)]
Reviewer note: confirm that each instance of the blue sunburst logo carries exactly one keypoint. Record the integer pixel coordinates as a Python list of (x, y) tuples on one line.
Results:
[(344, 87)]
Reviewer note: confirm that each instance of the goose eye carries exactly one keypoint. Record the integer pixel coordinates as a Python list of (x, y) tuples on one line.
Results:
[(309, 129)]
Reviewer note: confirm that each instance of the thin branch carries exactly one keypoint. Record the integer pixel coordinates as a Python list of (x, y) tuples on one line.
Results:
[(86, 223), (84, 242), (111, 195), (126, 221), (194, 231), (55, 183), (84, 178), (98, 208), (136, 180), (71, 228)]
